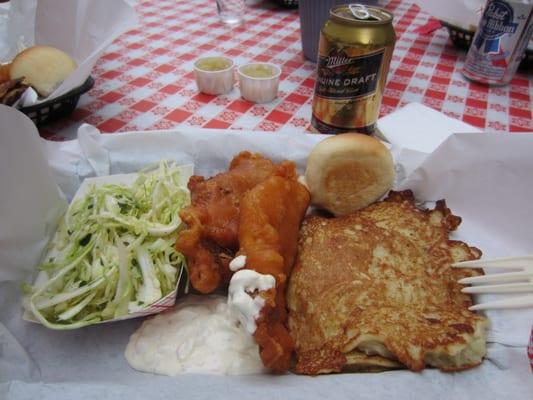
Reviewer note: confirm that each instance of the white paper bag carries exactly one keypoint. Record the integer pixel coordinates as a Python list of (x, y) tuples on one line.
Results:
[(30, 201), (462, 13), (81, 28)]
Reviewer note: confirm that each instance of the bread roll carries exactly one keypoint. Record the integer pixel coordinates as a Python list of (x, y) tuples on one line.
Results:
[(44, 68), (348, 172)]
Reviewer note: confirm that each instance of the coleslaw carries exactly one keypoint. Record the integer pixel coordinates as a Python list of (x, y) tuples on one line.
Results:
[(113, 252)]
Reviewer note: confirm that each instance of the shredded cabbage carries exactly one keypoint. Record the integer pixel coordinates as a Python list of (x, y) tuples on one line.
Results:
[(113, 252)]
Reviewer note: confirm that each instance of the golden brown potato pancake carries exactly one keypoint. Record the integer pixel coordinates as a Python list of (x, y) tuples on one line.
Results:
[(375, 290)]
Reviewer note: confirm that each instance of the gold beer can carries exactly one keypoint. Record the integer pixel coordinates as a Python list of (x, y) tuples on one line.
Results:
[(354, 54)]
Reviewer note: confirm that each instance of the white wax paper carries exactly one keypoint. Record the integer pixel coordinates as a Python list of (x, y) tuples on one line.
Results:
[(462, 13), (430, 130), (88, 363), (487, 179), (81, 28)]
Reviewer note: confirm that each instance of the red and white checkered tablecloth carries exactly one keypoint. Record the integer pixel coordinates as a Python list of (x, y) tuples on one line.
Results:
[(530, 350), (145, 82)]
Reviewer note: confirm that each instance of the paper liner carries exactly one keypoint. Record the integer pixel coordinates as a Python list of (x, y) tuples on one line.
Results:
[(81, 28), (492, 193)]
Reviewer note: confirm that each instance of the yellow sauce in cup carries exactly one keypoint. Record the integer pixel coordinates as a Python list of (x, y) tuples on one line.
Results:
[(258, 71), (213, 64)]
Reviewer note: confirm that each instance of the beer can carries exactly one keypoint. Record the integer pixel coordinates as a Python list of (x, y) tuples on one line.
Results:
[(500, 42), (354, 54)]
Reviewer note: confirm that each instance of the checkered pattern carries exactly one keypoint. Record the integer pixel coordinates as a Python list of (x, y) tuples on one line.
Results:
[(530, 350), (145, 80)]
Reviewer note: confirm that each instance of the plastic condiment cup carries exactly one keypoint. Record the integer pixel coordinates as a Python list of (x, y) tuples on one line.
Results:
[(217, 81), (259, 90)]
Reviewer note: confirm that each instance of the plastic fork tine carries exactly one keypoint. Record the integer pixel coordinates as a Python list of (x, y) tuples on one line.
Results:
[(493, 278), (509, 288), (501, 282), (513, 302), (508, 262)]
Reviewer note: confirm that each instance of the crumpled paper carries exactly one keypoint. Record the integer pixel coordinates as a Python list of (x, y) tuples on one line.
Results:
[(461, 13), (81, 28), (426, 134), (88, 363), (486, 179), (27, 221)]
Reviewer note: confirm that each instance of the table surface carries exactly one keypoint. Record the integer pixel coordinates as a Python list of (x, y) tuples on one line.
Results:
[(145, 81)]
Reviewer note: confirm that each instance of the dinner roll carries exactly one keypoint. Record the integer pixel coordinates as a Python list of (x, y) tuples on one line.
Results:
[(44, 68), (348, 172)]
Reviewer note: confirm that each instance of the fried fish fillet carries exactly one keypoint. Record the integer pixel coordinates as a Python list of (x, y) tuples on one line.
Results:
[(375, 290), (270, 218), (211, 238)]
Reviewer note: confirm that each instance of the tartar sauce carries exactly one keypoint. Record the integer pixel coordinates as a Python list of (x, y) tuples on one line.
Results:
[(241, 303), (237, 263), (199, 336), (302, 181)]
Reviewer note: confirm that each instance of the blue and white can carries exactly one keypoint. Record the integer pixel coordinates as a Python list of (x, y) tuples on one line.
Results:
[(500, 41)]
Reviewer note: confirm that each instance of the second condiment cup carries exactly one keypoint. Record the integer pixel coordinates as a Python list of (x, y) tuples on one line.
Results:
[(255, 86), (211, 80)]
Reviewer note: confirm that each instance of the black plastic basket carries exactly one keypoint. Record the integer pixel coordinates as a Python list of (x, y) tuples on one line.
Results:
[(54, 109), (462, 38), (287, 3)]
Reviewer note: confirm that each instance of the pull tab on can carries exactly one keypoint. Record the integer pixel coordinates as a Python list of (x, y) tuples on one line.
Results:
[(359, 11)]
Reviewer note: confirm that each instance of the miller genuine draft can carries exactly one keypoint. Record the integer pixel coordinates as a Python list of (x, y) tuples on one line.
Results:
[(354, 54), (500, 41)]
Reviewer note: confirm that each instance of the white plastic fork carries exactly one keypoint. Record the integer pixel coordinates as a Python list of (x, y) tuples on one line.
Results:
[(498, 282)]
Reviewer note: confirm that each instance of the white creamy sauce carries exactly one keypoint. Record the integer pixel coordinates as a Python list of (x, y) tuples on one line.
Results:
[(302, 181), (199, 336), (237, 263), (247, 308)]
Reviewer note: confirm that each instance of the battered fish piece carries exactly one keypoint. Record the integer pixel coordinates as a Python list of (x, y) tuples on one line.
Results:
[(211, 238), (271, 214), (375, 290)]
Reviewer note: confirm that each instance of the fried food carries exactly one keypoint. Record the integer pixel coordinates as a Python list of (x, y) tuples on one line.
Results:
[(256, 208), (211, 239), (4, 72), (270, 218), (375, 290), (11, 90)]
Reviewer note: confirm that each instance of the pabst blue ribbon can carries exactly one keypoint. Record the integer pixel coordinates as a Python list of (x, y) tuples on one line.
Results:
[(500, 41)]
